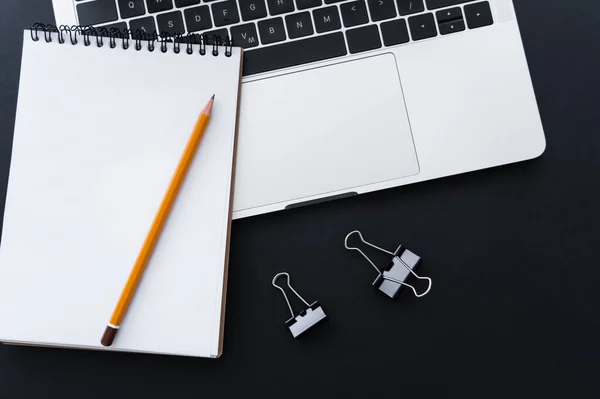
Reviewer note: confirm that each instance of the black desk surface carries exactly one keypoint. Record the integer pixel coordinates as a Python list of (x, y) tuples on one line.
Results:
[(513, 252)]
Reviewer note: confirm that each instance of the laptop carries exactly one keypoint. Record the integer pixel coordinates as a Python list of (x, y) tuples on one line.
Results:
[(341, 98)]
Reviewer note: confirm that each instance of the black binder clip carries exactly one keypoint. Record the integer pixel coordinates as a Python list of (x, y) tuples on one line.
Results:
[(399, 268), (307, 318)]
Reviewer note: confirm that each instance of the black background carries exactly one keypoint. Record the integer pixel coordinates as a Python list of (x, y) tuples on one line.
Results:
[(513, 252)]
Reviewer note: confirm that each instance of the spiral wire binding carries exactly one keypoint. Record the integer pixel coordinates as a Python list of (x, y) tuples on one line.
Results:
[(138, 38)]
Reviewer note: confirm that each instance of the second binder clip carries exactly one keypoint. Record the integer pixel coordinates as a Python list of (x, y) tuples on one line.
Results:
[(391, 279), (304, 320)]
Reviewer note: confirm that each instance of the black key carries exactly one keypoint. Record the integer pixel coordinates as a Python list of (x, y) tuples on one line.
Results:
[(271, 30), (185, 3), (354, 13), (197, 18), (277, 7), (121, 26), (97, 12), (422, 26), (299, 25), (333, 1), (193, 37), (304, 4), (244, 35), (394, 32), (451, 14), (217, 34), (225, 13), (363, 39), (146, 25), (327, 19), (382, 9), (478, 15), (433, 4), (407, 7), (170, 23), (131, 8), (159, 5), (452, 26), (253, 9), (293, 53)]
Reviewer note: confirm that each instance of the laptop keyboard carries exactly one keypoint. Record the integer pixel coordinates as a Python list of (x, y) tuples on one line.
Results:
[(283, 33)]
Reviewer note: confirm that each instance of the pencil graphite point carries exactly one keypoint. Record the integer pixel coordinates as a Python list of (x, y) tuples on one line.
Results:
[(208, 108)]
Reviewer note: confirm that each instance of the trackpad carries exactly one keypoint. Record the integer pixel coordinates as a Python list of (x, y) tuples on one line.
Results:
[(322, 131)]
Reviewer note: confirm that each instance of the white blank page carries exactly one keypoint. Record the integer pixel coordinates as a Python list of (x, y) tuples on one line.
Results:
[(98, 135)]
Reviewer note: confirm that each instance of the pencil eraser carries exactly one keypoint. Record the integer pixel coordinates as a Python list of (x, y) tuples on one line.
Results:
[(109, 336)]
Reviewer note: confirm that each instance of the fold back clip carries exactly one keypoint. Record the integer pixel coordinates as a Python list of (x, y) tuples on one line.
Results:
[(304, 320), (399, 268)]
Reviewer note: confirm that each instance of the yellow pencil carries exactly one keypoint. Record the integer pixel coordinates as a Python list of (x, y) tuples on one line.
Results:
[(157, 225)]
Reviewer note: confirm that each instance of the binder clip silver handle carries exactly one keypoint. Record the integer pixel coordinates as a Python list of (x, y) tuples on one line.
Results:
[(408, 285), (304, 320), (283, 292), (401, 257)]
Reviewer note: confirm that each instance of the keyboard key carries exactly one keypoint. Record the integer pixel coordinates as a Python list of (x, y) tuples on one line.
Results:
[(145, 24), (185, 3), (478, 15), (407, 7), (422, 26), (121, 26), (253, 9), (97, 12), (327, 19), (219, 34), (333, 1), (304, 4), (354, 13), (194, 37), (131, 8), (382, 9), (451, 14), (225, 13), (294, 53), (159, 5), (433, 4), (244, 35), (299, 25), (271, 30), (197, 18), (277, 7), (452, 26), (363, 39), (170, 23), (394, 32)]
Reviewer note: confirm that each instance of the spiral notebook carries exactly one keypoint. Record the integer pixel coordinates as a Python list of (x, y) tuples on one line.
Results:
[(100, 126)]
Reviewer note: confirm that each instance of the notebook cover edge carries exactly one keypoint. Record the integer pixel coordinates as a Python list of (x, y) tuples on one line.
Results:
[(230, 217)]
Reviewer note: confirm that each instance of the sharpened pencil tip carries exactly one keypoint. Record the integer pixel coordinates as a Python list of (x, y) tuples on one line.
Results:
[(208, 107)]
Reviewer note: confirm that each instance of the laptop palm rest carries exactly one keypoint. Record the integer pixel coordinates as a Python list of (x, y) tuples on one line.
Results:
[(305, 135)]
